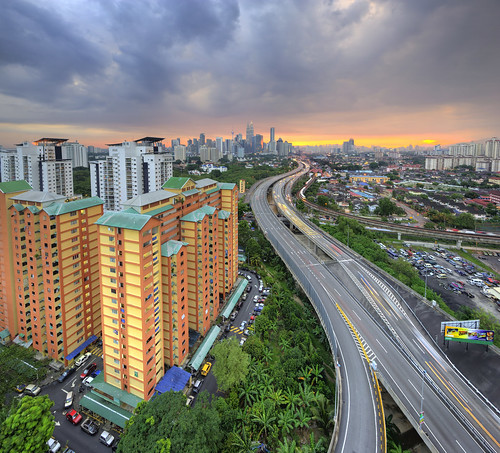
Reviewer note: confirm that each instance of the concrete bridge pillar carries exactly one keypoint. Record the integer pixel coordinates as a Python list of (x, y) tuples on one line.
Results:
[(459, 243), (399, 235)]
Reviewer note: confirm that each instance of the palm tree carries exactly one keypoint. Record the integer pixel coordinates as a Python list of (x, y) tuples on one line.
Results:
[(315, 447), (263, 417), (286, 421), (278, 397), (396, 448), (307, 395), (292, 399), (391, 429), (323, 413), (241, 442), (267, 355), (303, 419), (316, 373), (284, 343), (249, 394), (266, 384), (285, 447)]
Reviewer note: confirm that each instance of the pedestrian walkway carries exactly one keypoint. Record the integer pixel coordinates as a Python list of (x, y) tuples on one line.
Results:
[(97, 351)]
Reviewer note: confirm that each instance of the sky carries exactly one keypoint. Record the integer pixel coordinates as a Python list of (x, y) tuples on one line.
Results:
[(384, 72)]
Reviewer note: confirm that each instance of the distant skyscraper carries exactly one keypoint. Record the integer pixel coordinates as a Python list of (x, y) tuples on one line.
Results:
[(271, 135), (219, 144), (249, 133), (259, 143), (202, 138)]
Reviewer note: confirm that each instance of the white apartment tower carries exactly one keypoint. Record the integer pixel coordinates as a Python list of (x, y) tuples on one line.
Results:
[(77, 152), (180, 153), (131, 169), (42, 165), (8, 166)]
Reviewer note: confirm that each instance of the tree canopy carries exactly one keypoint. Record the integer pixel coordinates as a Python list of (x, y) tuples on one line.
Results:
[(166, 423), (231, 363), (28, 426)]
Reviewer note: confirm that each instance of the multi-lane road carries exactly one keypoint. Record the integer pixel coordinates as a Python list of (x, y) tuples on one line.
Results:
[(374, 329)]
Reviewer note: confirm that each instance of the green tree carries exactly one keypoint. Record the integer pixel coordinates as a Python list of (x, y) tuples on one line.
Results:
[(167, 418), (28, 426), (385, 207), (231, 363)]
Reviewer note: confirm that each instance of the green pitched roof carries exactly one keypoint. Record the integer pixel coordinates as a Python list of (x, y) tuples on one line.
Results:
[(160, 210), (190, 192), (175, 182), (33, 209), (171, 247), (71, 206), (227, 185), (124, 220), (208, 209), (224, 214), (208, 192), (18, 206), (14, 186)]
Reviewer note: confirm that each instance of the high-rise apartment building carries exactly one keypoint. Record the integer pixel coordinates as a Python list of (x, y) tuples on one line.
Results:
[(166, 261), (76, 152), (55, 271), (8, 307), (180, 153), (42, 165), (131, 169), (271, 135), (492, 148), (8, 165)]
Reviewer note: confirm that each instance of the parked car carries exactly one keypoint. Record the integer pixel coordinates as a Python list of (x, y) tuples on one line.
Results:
[(69, 400), (82, 359), (20, 388), (32, 390), (88, 381), (197, 386), (233, 315), (66, 373), (106, 438), (242, 341), (69, 450), (243, 325), (227, 328), (54, 445), (74, 417), (90, 427), (90, 368), (206, 368), (189, 400)]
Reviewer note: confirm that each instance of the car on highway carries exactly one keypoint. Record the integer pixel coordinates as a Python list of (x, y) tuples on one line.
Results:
[(206, 368), (82, 359), (74, 417), (32, 390), (106, 438), (90, 368), (89, 426), (66, 373), (54, 445), (69, 400)]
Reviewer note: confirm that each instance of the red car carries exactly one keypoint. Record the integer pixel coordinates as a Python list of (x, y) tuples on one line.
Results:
[(92, 367), (74, 417)]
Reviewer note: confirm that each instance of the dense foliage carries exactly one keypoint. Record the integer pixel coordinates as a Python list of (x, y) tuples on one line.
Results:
[(81, 181), (28, 426), (166, 424)]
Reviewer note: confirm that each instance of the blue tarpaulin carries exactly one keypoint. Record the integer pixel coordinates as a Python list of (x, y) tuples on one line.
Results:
[(174, 379), (80, 348)]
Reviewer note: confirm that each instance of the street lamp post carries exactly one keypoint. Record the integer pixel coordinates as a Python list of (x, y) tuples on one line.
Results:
[(347, 235), (421, 417), (31, 366), (425, 287)]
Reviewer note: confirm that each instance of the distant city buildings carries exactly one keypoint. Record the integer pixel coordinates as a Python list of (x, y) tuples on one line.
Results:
[(131, 169)]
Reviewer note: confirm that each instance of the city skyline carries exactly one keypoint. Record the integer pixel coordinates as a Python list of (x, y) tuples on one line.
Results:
[(388, 73)]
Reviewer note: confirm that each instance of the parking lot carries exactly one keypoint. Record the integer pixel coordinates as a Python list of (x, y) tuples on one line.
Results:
[(459, 282), (65, 432), (244, 310)]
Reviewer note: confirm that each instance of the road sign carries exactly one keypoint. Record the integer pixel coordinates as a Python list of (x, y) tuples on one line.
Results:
[(421, 418)]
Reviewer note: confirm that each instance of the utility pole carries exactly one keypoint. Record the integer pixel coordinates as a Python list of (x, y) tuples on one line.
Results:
[(425, 288), (421, 417)]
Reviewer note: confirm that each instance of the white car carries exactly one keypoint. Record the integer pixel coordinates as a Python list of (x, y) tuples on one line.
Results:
[(82, 359), (106, 438), (32, 390), (54, 445), (242, 341), (69, 400), (88, 381)]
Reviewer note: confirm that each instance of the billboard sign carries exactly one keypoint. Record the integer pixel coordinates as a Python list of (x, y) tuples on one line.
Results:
[(470, 324), (465, 335)]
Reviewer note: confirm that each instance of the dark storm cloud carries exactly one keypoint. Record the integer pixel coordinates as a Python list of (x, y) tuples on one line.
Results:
[(137, 62)]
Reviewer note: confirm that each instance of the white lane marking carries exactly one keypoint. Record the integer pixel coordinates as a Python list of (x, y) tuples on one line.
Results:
[(418, 393), (376, 339), (416, 344), (458, 443), (357, 316), (456, 390)]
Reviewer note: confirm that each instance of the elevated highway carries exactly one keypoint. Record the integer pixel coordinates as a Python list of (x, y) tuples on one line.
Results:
[(358, 308)]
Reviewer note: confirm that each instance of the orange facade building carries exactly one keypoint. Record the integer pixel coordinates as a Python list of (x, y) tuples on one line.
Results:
[(166, 261), (55, 271)]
